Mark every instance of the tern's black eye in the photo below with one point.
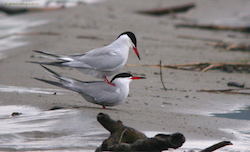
(122, 75)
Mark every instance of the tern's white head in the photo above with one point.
(122, 81)
(132, 41)
(124, 78)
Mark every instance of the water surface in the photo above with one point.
(76, 130)
(65, 129)
(20, 89)
(242, 114)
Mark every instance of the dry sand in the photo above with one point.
(148, 107)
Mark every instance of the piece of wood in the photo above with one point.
(168, 10)
(158, 143)
(214, 27)
(210, 67)
(213, 40)
(116, 128)
(236, 84)
(162, 78)
(217, 146)
(87, 37)
(205, 66)
(127, 139)
(231, 46)
(228, 91)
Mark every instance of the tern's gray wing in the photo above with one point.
(101, 92)
(98, 92)
(102, 59)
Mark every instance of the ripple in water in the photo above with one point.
(57, 130)
(76, 130)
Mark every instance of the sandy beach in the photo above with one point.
(181, 108)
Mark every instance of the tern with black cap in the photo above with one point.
(97, 92)
(101, 62)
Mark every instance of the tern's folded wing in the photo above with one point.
(103, 59)
(100, 91)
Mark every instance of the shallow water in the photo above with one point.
(12, 25)
(46, 3)
(20, 89)
(74, 130)
(57, 130)
(242, 114)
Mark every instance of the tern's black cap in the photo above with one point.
(131, 35)
(122, 75)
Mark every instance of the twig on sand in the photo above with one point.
(214, 27)
(228, 91)
(219, 43)
(162, 77)
(231, 46)
(168, 10)
(217, 146)
(198, 38)
(205, 66)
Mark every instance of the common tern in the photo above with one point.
(101, 62)
(97, 92)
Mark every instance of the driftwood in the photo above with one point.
(168, 10)
(203, 67)
(228, 91)
(13, 11)
(236, 84)
(199, 38)
(127, 139)
(217, 146)
(16, 114)
(231, 46)
(87, 37)
(219, 43)
(214, 27)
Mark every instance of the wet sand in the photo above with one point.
(149, 107)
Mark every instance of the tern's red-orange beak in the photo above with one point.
(136, 52)
(136, 78)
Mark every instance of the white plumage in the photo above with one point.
(101, 62)
(97, 92)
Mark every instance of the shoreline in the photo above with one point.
(149, 107)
